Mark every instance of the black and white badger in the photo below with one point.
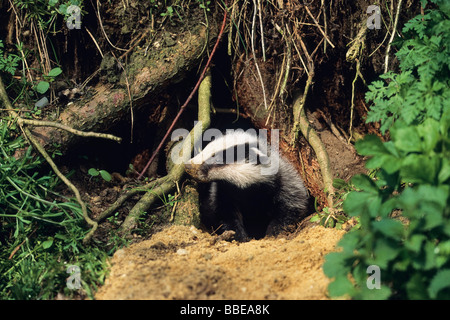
(247, 187)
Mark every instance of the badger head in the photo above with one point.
(239, 158)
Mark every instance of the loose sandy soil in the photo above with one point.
(182, 262)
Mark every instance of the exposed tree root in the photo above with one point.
(314, 140)
(168, 183)
(302, 124)
(23, 124)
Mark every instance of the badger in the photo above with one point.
(247, 187)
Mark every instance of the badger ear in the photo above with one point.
(256, 156)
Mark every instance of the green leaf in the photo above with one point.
(444, 174)
(47, 243)
(55, 72)
(390, 228)
(416, 288)
(418, 168)
(371, 145)
(336, 264)
(362, 203)
(339, 183)
(429, 132)
(386, 161)
(426, 259)
(375, 294)
(385, 250)
(105, 175)
(363, 182)
(406, 138)
(414, 243)
(93, 172)
(341, 286)
(349, 242)
(440, 281)
(42, 87)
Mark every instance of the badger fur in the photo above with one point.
(247, 187)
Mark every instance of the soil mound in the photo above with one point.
(182, 262)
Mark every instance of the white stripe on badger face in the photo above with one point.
(244, 172)
(213, 152)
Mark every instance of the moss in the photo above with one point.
(187, 211)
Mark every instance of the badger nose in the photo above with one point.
(191, 168)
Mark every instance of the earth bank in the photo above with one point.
(183, 262)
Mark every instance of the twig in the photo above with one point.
(103, 30)
(254, 55)
(189, 97)
(262, 31)
(95, 42)
(41, 123)
(394, 28)
(318, 26)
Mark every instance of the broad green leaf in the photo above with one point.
(417, 168)
(444, 173)
(426, 260)
(42, 87)
(386, 161)
(55, 72)
(414, 243)
(440, 281)
(416, 288)
(375, 294)
(429, 132)
(349, 242)
(363, 182)
(384, 251)
(105, 175)
(93, 172)
(370, 146)
(47, 243)
(340, 287)
(390, 228)
(360, 203)
(337, 264)
(406, 138)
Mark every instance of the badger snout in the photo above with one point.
(191, 168)
(194, 170)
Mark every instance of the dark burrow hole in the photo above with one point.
(113, 157)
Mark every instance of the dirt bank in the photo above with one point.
(185, 263)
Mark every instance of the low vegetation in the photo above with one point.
(404, 211)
